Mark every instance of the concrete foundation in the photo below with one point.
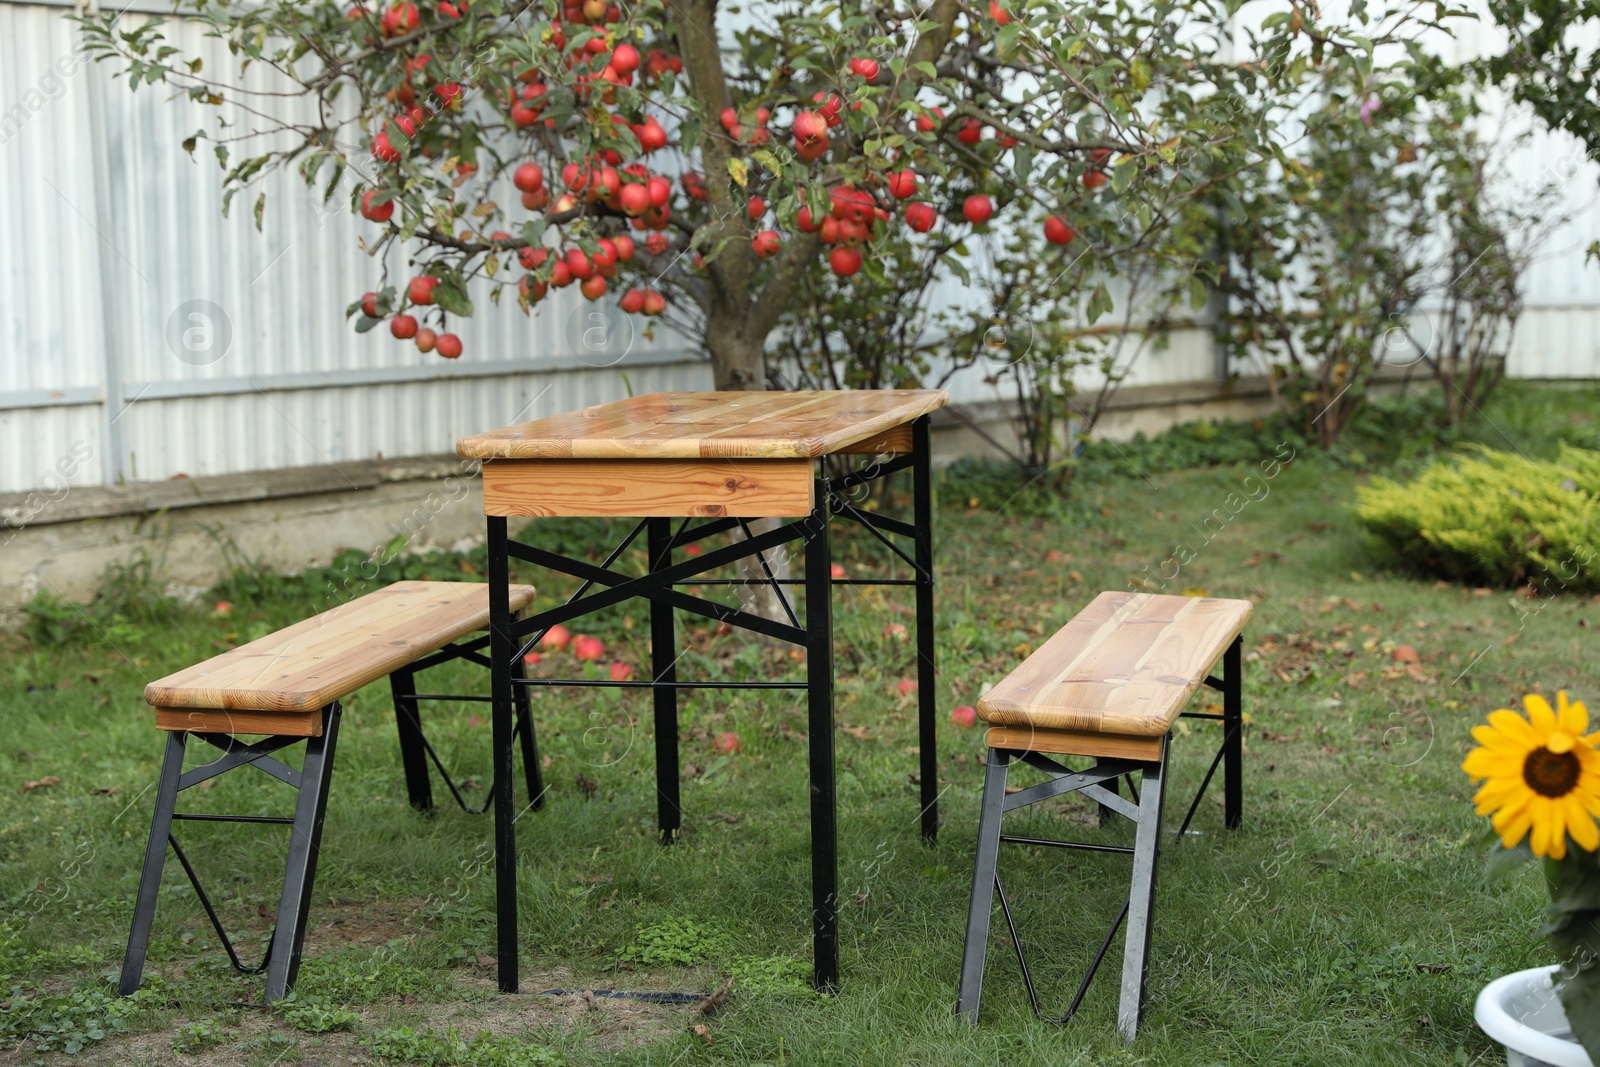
(294, 519)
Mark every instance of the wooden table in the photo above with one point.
(722, 459)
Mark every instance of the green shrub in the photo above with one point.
(1496, 518)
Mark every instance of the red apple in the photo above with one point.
(376, 212)
(727, 743)
(837, 571)
(756, 208)
(654, 303)
(977, 208)
(998, 13)
(634, 199)
(383, 151)
(767, 244)
(906, 686)
(621, 672)
(420, 291)
(921, 217)
(403, 327)
(632, 301)
(448, 345)
(556, 638)
(1057, 232)
(588, 648)
(528, 177)
(223, 607)
(624, 246)
(966, 716)
(971, 132)
(845, 261)
(903, 183)
(867, 68)
(930, 122)
(1095, 179)
(369, 305)
(895, 631)
(426, 339)
(593, 288)
(625, 58)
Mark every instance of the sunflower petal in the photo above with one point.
(1514, 726)
(1483, 763)
(1585, 831)
(1573, 715)
(1540, 715)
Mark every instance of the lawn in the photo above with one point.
(1347, 922)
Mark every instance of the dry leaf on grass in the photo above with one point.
(40, 783)
(702, 1031)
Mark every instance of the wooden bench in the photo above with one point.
(1108, 685)
(286, 688)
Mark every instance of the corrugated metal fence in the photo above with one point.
(142, 335)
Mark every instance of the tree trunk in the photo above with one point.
(738, 360)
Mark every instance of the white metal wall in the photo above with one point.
(109, 235)
(111, 239)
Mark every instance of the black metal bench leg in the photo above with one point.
(1141, 897)
(413, 752)
(983, 876)
(532, 772)
(1233, 734)
(155, 859)
(663, 668)
(305, 846)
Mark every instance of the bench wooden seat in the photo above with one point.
(280, 683)
(1108, 685)
(1114, 679)
(288, 686)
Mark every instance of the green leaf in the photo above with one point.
(1122, 175)
(261, 207)
(926, 68)
(365, 323)
(451, 296)
(1022, 157)
(1099, 303)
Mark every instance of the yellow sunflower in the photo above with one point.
(1540, 774)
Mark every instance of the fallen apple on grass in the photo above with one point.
(965, 716)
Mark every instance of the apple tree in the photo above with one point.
(690, 161)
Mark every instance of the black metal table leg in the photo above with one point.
(1233, 735)
(663, 668)
(155, 858)
(305, 848)
(927, 676)
(819, 700)
(502, 648)
(413, 754)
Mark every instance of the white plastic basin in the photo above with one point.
(1523, 1013)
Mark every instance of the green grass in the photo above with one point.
(1347, 922)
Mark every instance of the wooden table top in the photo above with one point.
(1126, 664)
(772, 425)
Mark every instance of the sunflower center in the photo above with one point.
(1551, 774)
